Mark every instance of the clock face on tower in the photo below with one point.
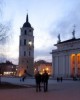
(30, 43)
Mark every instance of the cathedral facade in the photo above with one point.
(66, 58)
(26, 49)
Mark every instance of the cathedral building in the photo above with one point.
(26, 49)
(66, 58)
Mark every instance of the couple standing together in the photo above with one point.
(41, 79)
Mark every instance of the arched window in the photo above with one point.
(29, 53)
(30, 30)
(25, 32)
(24, 41)
(24, 53)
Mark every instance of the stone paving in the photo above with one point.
(67, 90)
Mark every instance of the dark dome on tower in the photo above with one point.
(27, 24)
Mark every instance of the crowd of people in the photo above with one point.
(41, 79)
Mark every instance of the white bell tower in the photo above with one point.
(26, 49)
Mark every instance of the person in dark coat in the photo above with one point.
(38, 81)
(45, 80)
(61, 79)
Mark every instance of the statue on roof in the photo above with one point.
(59, 40)
(73, 33)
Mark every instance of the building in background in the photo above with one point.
(41, 66)
(26, 49)
(66, 58)
(8, 69)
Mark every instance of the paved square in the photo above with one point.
(67, 90)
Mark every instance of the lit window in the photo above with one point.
(30, 43)
(47, 69)
(43, 70)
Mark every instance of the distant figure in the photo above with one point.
(23, 78)
(24, 75)
(20, 79)
(38, 81)
(45, 80)
(0, 79)
(61, 79)
(57, 79)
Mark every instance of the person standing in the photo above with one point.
(38, 81)
(61, 79)
(45, 80)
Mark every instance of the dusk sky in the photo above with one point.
(48, 18)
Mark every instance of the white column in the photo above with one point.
(64, 65)
(58, 64)
(69, 65)
(76, 65)
(53, 65)
(67, 62)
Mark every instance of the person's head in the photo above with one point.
(37, 72)
(45, 71)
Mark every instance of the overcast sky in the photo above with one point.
(48, 18)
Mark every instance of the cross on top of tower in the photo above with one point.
(27, 18)
(27, 24)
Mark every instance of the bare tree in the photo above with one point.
(4, 29)
(4, 36)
